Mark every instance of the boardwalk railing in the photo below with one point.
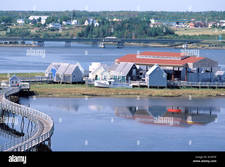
(197, 84)
(44, 123)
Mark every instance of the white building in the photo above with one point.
(74, 22)
(43, 18)
(66, 23)
(55, 26)
(65, 73)
(220, 76)
(99, 72)
(20, 21)
(14, 81)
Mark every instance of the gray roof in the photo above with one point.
(122, 68)
(153, 68)
(70, 69)
(62, 69)
(53, 65)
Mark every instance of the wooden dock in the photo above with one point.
(184, 84)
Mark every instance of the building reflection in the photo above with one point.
(169, 116)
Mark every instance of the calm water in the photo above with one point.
(13, 127)
(120, 123)
(134, 124)
(14, 59)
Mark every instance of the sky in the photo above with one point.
(113, 5)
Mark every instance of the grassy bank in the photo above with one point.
(68, 90)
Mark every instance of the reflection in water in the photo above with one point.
(43, 148)
(13, 127)
(171, 116)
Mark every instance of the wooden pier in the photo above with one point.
(184, 84)
(44, 123)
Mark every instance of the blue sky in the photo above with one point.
(114, 5)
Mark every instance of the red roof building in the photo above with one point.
(160, 58)
(176, 62)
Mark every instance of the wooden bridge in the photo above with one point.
(44, 124)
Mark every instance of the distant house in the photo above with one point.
(199, 24)
(123, 72)
(66, 23)
(74, 22)
(90, 22)
(54, 26)
(212, 24)
(86, 23)
(156, 77)
(43, 18)
(14, 81)
(222, 23)
(96, 24)
(191, 25)
(220, 76)
(20, 21)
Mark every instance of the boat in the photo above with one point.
(110, 84)
(174, 110)
(102, 84)
(101, 45)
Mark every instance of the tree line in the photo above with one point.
(130, 28)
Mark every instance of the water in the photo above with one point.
(120, 123)
(14, 59)
(13, 127)
(131, 124)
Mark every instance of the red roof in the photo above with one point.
(133, 58)
(166, 54)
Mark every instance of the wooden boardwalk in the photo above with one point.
(44, 123)
(196, 84)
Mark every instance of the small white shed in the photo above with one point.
(14, 81)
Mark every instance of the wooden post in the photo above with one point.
(185, 73)
(173, 74)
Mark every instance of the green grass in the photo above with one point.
(4, 76)
(69, 90)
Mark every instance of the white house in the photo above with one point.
(86, 23)
(65, 73)
(14, 81)
(66, 23)
(99, 73)
(43, 18)
(51, 70)
(220, 76)
(73, 74)
(55, 26)
(20, 21)
(74, 22)
(156, 77)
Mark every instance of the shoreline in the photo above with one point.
(157, 45)
(82, 90)
(69, 91)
